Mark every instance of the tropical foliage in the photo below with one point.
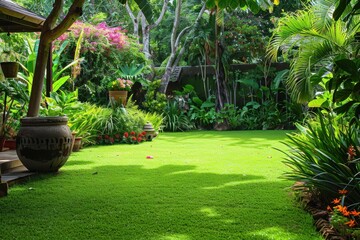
(96, 45)
(323, 156)
(312, 40)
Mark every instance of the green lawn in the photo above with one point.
(199, 185)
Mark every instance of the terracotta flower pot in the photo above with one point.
(77, 144)
(10, 143)
(118, 97)
(43, 144)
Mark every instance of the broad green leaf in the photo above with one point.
(342, 95)
(210, 4)
(344, 108)
(348, 66)
(59, 83)
(316, 103)
(340, 9)
(253, 5)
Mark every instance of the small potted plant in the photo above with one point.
(8, 59)
(118, 90)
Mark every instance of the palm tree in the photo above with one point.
(312, 40)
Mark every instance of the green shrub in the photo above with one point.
(103, 49)
(90, 121)
(155, 101)
(176, 118)
(323, 157)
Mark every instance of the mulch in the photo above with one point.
(321, 217)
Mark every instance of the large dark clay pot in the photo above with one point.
(43, 144)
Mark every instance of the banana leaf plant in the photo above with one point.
(57, 71)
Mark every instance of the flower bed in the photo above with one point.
(129, 138)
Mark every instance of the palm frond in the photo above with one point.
(323, 11)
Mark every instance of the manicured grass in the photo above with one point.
(199, 185)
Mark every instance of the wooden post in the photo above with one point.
(49, 75)
(49, 33)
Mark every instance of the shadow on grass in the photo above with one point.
(169, 202)
(254, 139)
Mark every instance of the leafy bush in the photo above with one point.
(104, 49)
(90, 121)
(175, 117)
(155, 101)
(323, 157)
(203, 113)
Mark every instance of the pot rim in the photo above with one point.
(46, 120)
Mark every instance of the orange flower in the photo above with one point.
(345, 213)
(336, 201)
(355, 213)
(343, 192)
(351, 223)
(341, 208)
(328, 208)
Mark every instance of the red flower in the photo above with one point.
(133, 138)
(132, 133)
(106, 136)
(143, 133)
(99, 137)
(328, 208)
(111, 140)
(126, 134)
(139, 139)
(117, 136)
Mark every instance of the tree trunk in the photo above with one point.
(145, 26)
(174, 45)
(222, 95)
(135, 20)
(175, 42)
(145, 37)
